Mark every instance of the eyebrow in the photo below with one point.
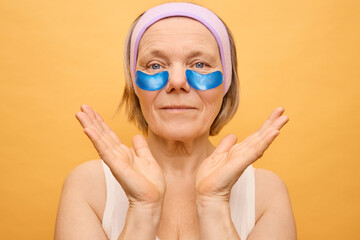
(197, 53)
(152, 52)
(158, 52)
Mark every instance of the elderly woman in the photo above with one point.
(181, 88)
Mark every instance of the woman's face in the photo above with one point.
(177, 111)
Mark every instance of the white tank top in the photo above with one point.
(242, 205)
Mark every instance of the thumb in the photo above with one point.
(225, 144)
(141, 147)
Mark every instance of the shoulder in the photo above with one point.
(270, 191)
(82, 203)
(85, 176)
(267, 181)
(272, 206)
(87, 170)
(87, 182)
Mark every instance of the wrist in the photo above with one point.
(141, 223)
(210, 200)
(148, 212)
(215, 220)
(213, 207)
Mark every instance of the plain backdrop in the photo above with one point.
(302, 55)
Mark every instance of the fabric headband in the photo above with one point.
(201, 14)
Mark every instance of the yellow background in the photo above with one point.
(303, 55)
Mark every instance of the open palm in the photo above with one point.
(219, 172)
(135, 169)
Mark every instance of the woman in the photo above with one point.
(181, 88)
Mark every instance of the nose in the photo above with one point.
(177, 80)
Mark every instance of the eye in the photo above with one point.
(155, 66)
(199, 65)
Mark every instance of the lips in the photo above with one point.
(177, 108)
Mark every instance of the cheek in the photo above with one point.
(212, 99)
(146, 99)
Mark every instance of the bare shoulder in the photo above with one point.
(273, 210)
(88, 182)
(87, 170)
(269, 189)
(82, 202)
(268, 183)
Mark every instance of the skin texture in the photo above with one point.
(176, 167)
(175, 50)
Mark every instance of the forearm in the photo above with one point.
(215, 221)
(141, 224)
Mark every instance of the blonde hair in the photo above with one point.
(132, 105)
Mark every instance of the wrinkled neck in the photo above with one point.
(179, 158)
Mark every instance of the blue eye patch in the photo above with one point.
(151, 82)
(196, 80)
(204, 81)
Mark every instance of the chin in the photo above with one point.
(181, 133)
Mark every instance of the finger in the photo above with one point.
(270, 137)
(88, 110)
(104, 150)
(263, 136)
(141, 147)
(254, 146)
(99, 121)
(91, 114)
(276, 125)
(107, 129)
(262, 144)
(255, 139)
(252, 151)
(280, 122)
(93, 118)
(83, 119)
(275, 114)
(100, 125)
(275, 121)
(225, 144)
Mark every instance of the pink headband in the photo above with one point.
(201, 14)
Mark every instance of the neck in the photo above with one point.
(179, 158)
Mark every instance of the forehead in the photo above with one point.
(177, 30)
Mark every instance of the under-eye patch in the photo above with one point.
(204, 81)
(196, 80)
(151, 82)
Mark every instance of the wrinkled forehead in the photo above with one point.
(179, 30)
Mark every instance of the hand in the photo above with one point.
(135, 169)
(218, 173)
